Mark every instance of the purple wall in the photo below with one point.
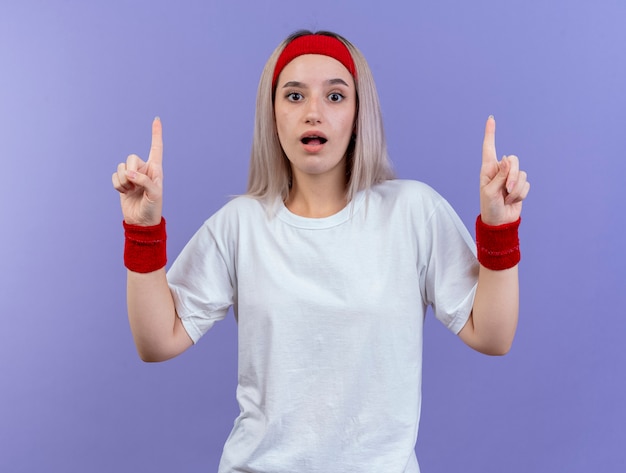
(79, 85)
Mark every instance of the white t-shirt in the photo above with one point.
(330, 317)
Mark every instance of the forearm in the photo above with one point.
(157, 330)
(493, 322)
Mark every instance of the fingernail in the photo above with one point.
(510, 186)
(131, 174)
(157, 118)
(492, 117)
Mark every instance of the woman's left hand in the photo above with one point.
(503, 186)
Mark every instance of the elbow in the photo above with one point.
(488, 342)
(497, 349)
(152, 350)
(148, 357)
(497, 352)
(151, 356)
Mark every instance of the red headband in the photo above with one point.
(314, 44)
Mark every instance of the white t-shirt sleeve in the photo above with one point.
(450, 273)
(202, 278)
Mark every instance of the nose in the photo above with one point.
(313, 114)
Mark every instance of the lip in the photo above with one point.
(311, 133)
(316, 146)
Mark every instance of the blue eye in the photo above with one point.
(335, 97)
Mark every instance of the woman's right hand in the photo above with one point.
(140, 183)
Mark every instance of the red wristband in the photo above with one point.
(498, 246)
(145, 248)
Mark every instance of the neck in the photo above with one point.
(317, 197)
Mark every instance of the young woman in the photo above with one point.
(329, 263)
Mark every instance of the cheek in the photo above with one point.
(279, 127)
(350, 119)
(282, 121)
(347, 125)
(282, 130)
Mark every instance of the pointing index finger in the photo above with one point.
(156, 148)
(489, 142)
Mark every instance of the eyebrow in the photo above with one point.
(301, 85)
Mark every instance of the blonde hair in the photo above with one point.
(269, 175)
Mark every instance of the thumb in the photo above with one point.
(499, 180)
(152, 189)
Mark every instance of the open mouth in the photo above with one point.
(313, 140)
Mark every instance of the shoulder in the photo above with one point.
(224, 228)
(229, 220)
(239, 207)
(407, 191)
(242, 203)
(416, 200)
